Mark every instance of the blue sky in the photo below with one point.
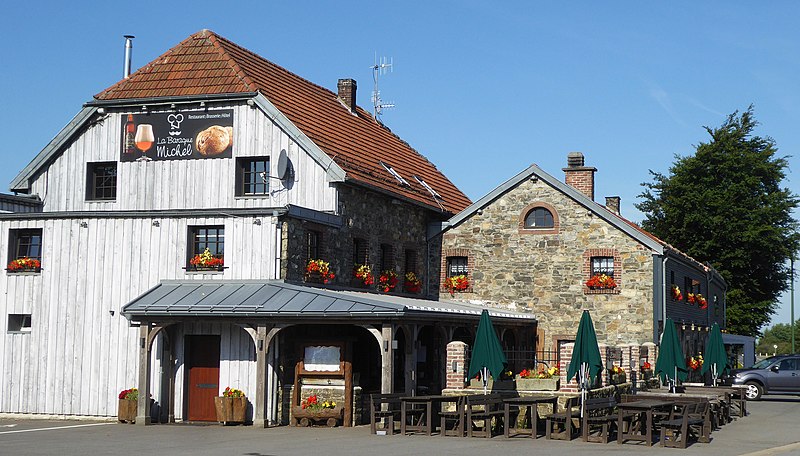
(481, 90)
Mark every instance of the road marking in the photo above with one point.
(55, 427)
(777, 450)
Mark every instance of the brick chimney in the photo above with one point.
(347, 93)
(579, 176)
(612, 204)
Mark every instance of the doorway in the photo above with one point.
(203, 378)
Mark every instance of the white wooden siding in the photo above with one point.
(78, 356)
(183, 184)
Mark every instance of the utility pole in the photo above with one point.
(792, 301)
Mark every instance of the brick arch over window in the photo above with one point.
(527, 210)
(587, 269)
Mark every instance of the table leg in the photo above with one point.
(506, 417)
(649, 427)
(429, 417)
(403, 419)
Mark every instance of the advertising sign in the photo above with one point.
(177, 135)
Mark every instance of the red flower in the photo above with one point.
(601, 281)
(23, 263)
(456, 283)
(387, 281)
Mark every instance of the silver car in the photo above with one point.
(773, 375)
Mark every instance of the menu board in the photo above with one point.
(321, 358)
(177, 135)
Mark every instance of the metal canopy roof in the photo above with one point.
(250, 298)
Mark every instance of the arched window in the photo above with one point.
(539, 217)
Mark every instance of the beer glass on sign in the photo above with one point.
(144, 140)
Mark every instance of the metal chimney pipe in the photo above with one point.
(128, 49)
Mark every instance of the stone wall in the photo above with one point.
(545, 274)
(375, 218)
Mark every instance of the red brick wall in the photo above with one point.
(456, 353)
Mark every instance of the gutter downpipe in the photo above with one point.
(663, 292)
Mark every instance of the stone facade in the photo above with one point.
(380, 221)
(545, 273)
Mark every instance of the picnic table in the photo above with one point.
(420, 410)
(525, 405)
(639, 417)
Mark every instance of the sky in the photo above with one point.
(482, 89)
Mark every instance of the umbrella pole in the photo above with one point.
(485, 379)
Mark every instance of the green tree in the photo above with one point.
(725, 205)
(780, 335)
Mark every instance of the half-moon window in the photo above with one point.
(539, 217)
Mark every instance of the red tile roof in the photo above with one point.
(206, 63)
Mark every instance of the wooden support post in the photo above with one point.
(260, 404)
(387, 357)
(143, 406)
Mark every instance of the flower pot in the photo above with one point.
(306, 417)
(538, 384)
(126, 411)
(314, 277)
(230, 409)
(647, 374)
(616, 379)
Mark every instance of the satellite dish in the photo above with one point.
(283, 165)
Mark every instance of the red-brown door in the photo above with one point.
(203, 363)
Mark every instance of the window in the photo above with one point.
(252, 176)
(411, 261)
(788, 365)
(387, 257)
(457, 265)
(25, 243)
(602, 265)
(312, 245)
(539, 217)
(207, 237)
(101, 181)
(19, 323)
(360, 251)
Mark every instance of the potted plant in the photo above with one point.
(505, 382)
(231, 406)
(601, 282)
(207, 262)
(691, 298)
(647, 371)
(24, 264)
(702, 303)
(412, 284)
(318, 271)
(313, 409)
(387, 281)
(616, 375)
(676, 293)
(695, 362)
(128, 400)
(547, 379)
(362, 273)
(456, 283)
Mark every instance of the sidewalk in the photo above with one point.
(772, 428)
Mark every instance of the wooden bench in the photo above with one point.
(386, 408)
(685, 419)
(483, 408)
(454, 419)
(599, 412)
(557, 421)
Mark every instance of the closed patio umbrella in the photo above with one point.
(670, 363)
(586, 362)
(487, 352)
(716, 360)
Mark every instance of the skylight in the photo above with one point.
(428, 187)
(396, 176)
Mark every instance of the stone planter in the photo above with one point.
(126, 411)
(230, 409)
(493, 385)
(647, 374)
(616, 379)
(538, 384)
(306, 417)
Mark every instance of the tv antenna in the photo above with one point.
(380, 67)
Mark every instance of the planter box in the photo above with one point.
(616, 379)
(538, 384)
(126, 411)
(230, 409)
(493, 385)
(305, 417)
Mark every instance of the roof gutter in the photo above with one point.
(183, 99)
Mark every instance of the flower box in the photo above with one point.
(126, 411)
(616, 379)
(493, 385)
(230, 409)
(538, 384)
(306, 417)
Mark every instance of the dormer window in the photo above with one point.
(395, 174)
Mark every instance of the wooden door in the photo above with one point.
(203, 365)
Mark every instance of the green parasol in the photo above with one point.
(487, 353)
(716, 360)
(670, 363)
(586, 362)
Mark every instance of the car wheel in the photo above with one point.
(754, 391)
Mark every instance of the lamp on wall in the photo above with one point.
(156, 223)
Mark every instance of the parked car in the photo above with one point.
(774, 375)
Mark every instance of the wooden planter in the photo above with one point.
(305, 417)
(230, 409)
(538, 384)
(126, 412)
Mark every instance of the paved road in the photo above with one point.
(772, 428)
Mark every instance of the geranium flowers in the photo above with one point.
(318, 270)
(207, 260)
(601, 282)
(24, 264)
